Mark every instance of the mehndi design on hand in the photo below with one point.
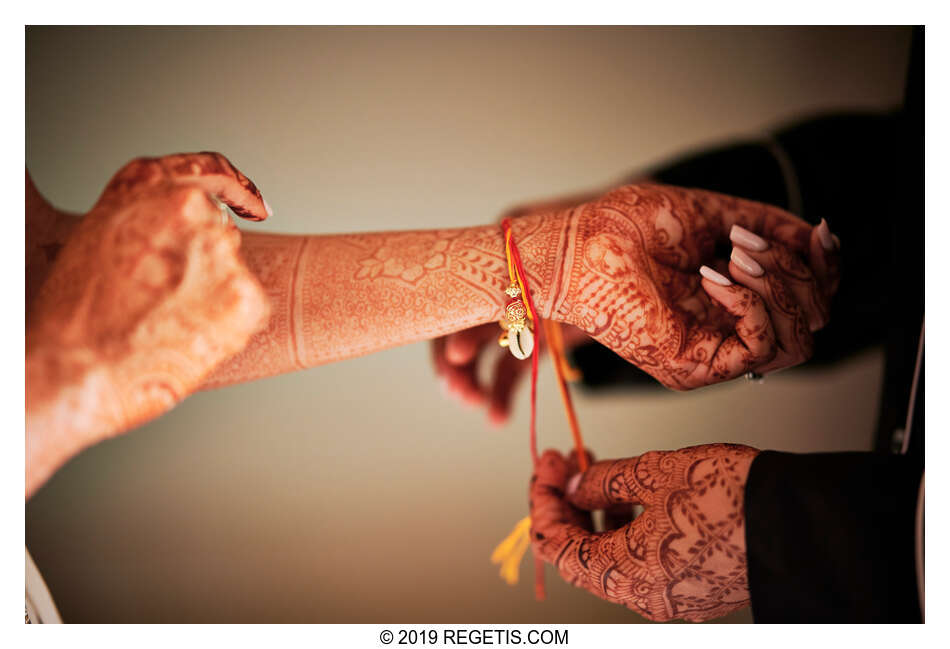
(683, 557)
(630, 273)
(146, 296)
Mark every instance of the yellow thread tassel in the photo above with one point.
(510, 551)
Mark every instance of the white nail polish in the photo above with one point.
(742, 259)
(267, 208)
(825, 237)
(742, 237)
(572, 484)
(713, 276)
(225, 215)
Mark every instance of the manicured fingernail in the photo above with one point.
(824, 236)
(572, 484)
(742, 259)
(713, 276)
(837, 241)
(225, 217)
(741, 236)
(267, 208)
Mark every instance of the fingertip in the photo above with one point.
(720, 293)
(572, 484)
(823, 232)
(744, 282)
(745, 261)
(497, 416)
(573, 459)
(714, 276)
(552, 459)
(460, 348)
(747, 239)
(473, 398)
(550, 453)
(464, 394)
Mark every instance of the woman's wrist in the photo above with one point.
(69, 405)
(548, 247)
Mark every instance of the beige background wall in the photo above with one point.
(356, 492)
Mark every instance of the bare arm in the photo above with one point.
(132, 307)
(336, 297)
(153, 295)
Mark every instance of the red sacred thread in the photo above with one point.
(522, 277)
(556, 348)
(556, 345)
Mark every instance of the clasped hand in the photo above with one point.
(630, 279)
(683, 557)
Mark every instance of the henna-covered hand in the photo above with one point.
(145, 297)
(629, 276)
(628, 273)
(797, 294)
(683, 557)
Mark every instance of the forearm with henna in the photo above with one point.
(150, 295)
(135, 304)
(340, 296)
(623, 267)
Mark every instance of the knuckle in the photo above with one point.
(136, 165)
(550, 456)
(748, 302)
(136, 172)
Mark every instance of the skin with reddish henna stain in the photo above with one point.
(682, 557)
(632, 283)
(340, 296)
(146, 295)
(149, 298)
(641, 247)
(623, 268)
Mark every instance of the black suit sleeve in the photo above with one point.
(830, 537)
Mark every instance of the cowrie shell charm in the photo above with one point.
(520, 342)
